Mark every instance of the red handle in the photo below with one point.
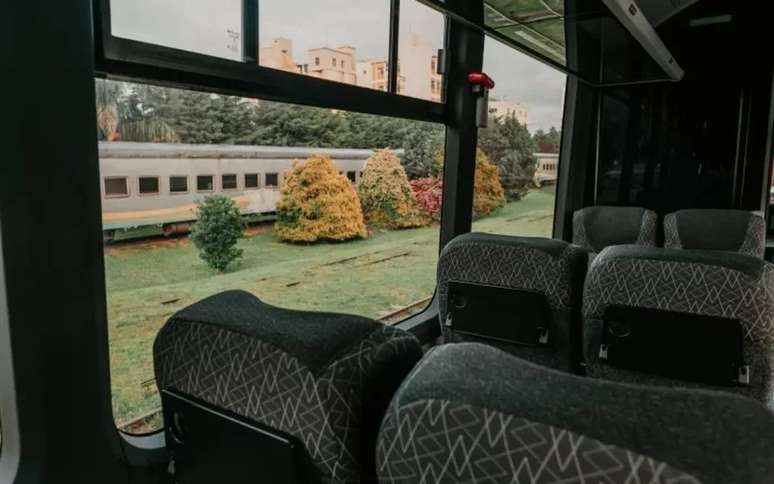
(481, 79)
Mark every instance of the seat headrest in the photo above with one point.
(601, 226)
(713, 229)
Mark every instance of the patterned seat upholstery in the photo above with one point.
(548, 267)
(709, 229)
(470, 413)
(598, 227)
(693, 285)
(325, 379)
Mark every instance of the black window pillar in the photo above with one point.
(465, 53)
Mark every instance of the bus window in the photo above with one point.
(521, 143)
(422, 31)
(296, 252)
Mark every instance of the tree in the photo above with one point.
(385, 193)
(428, 193)
(420, 146)
(488, 194)
(217, 230)
(509, 145)
(318, 203)
(547, 142)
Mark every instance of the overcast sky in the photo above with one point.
(214, 26)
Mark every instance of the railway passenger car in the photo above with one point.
(152, 188)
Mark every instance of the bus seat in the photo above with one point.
(595, 228)
(681, 318)
(710, 229)
(319, 382)
(522, 294)
(471, 413)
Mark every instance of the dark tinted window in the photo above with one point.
(272, 180)
(116, 187)
(229, 182)
(352, 176)
(149, 185)
(178, 184)
(204, 183)
(251, 180)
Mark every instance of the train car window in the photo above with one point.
(352, 176)
(116, 187)
(178, 184)
(421, 37)
(318, 44)
(272, 180)
(521, 143)
(205, 183)
(148, 185)
(149, 21)
(380, 264)
(228, 182)
(251, 180)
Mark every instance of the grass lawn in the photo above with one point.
(389, 270)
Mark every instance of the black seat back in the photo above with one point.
(681, 318)
(472, 413)
(522, 294)
(595, 228)
(321, 381)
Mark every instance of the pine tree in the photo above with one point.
(420, 146)
(509, 145)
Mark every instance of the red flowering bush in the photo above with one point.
(428, 193)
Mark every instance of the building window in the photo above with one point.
(352, 176)
(116, 187)
(228, 182)
(178, 184)
(333, 61)
(149, 185)
(251, 180)
(342, 64)
(272, 180)
(433, 65)
(204, 183)
(317, 61)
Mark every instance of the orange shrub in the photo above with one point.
(385, 193)
(318, 203)
(488, 191)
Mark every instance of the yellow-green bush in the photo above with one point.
(318, 203)
(488, 193)
(386, 195)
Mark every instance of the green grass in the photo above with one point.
(372, 277)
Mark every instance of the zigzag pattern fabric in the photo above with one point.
(256, 380)
(646, 236)
(754, 242)
(507, 266)
(684, 287)
(439, 441)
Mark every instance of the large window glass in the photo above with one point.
(327, 39)
(422, 31)
(383, 269)
(520, 145)
(202, 26)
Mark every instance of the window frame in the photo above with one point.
(178, 192)
(211, 190)
(257, 181)
(126, 182)
(140, 193)
(236, 182)
(266, 183)
(147, 62)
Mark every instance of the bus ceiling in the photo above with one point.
(602, 42)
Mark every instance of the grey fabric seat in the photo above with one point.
(325, 379)
(595, 228)
(508, 274)
(470, 413)
(710, 229)
(691, 308)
